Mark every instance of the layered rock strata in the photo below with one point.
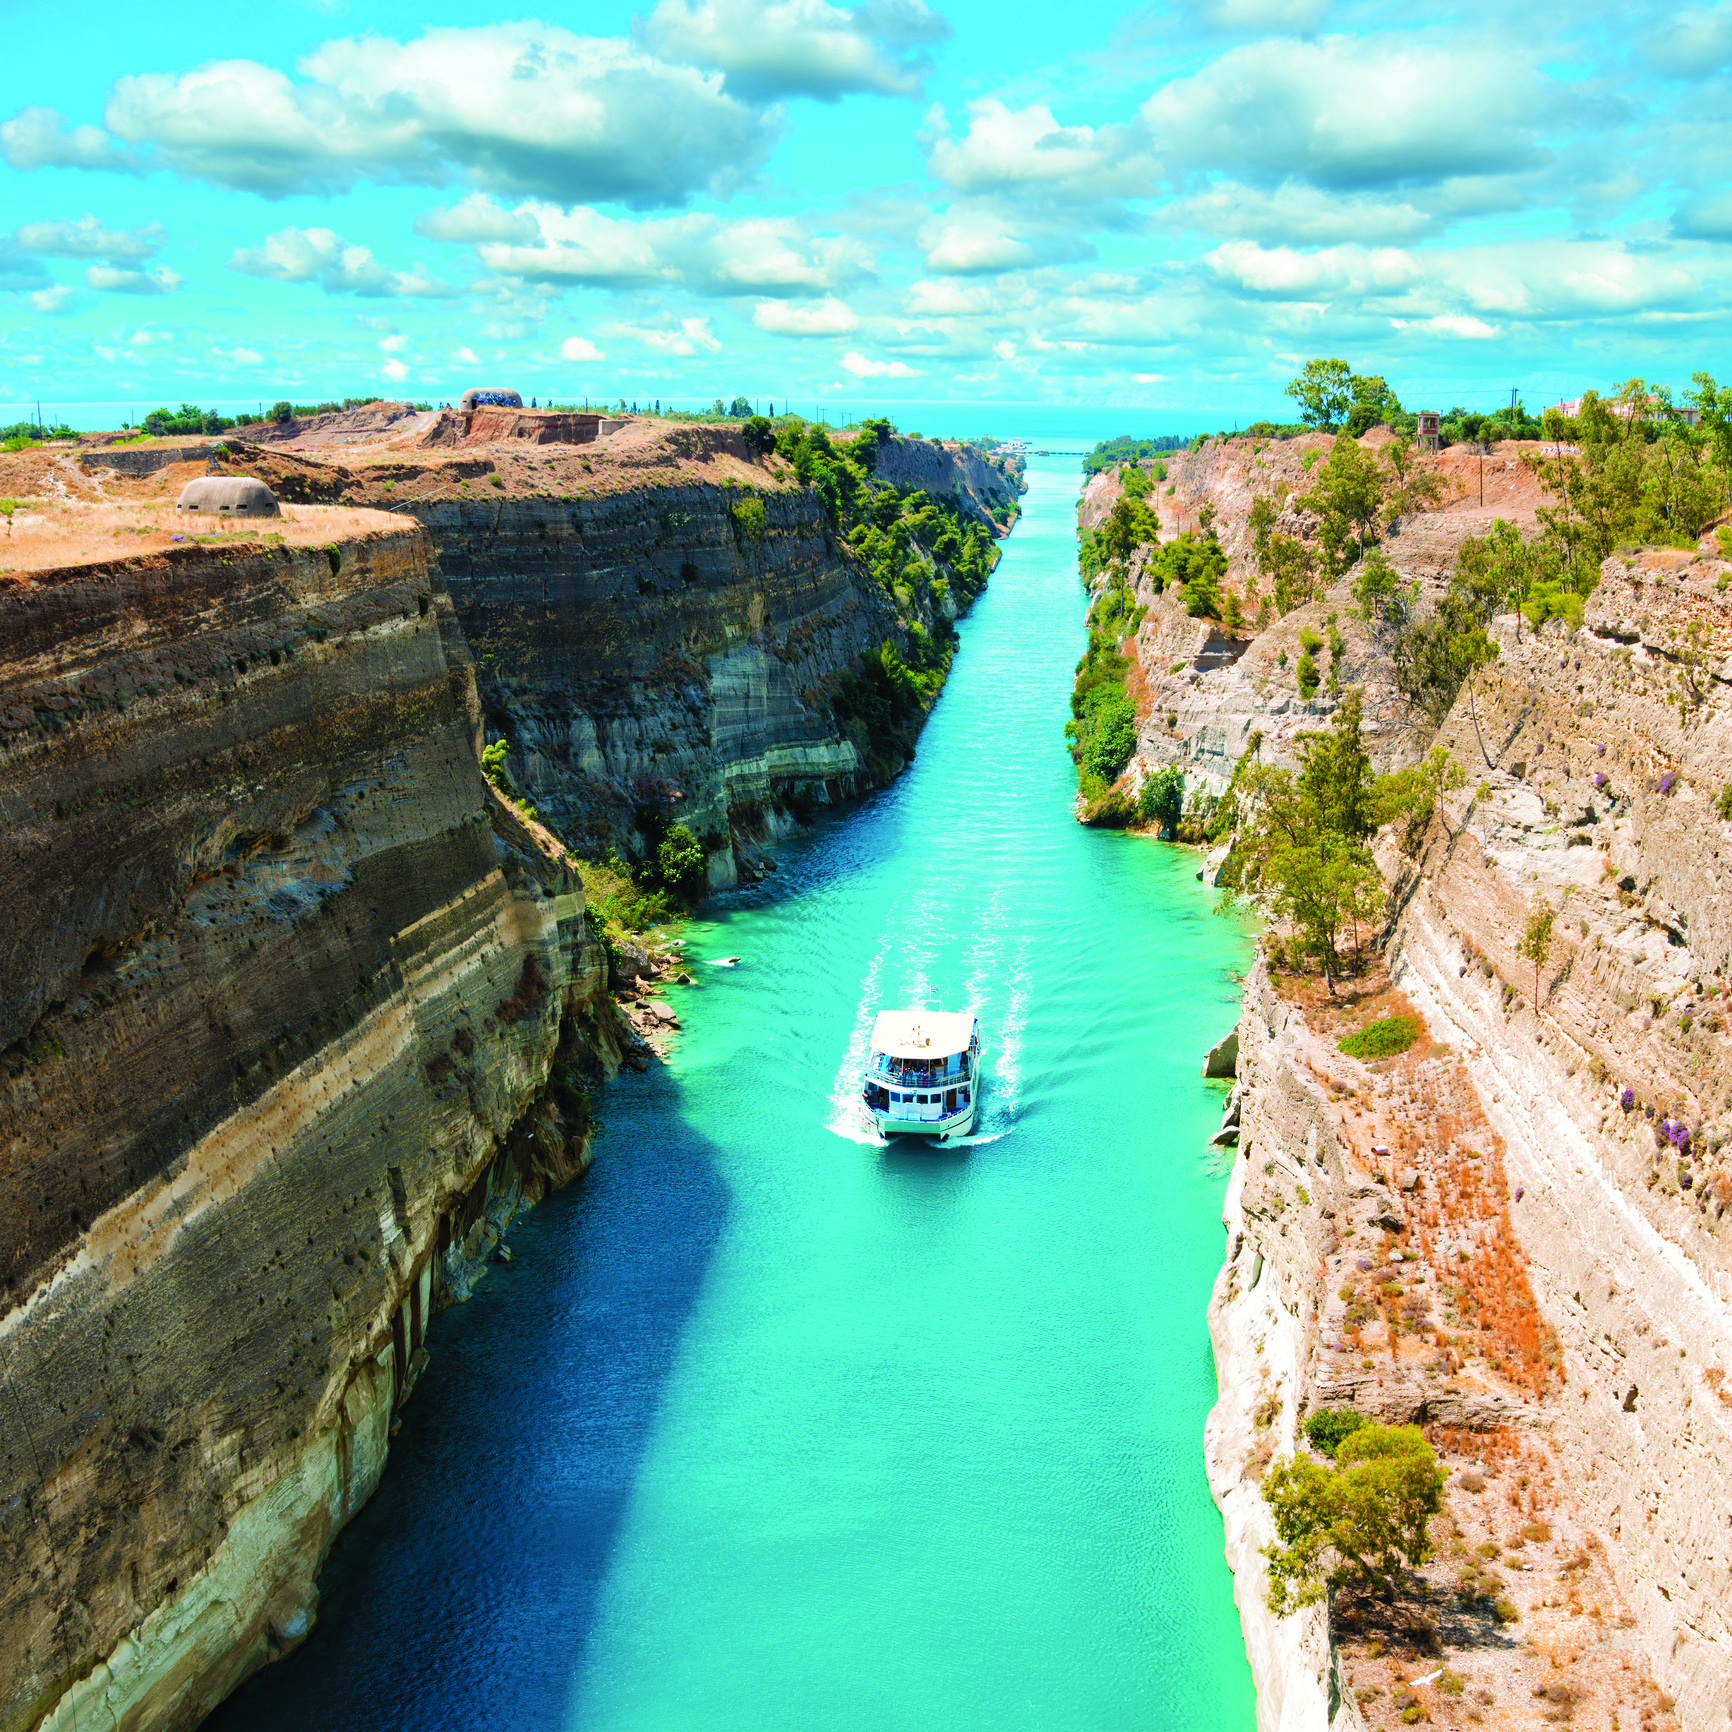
(678, 646)
(282, 992)
(1517, 1233)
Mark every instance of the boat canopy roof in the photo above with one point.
(922, 1033)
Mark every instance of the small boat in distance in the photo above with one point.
(923, 1075)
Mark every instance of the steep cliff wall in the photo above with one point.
(639, 645)
(1203, 692)
(673, 632)
(280, 985)
(1517, 1233)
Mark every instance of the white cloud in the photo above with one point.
(1693, 44)
(237, 357)
(476, 219)
(577, 349)
(861, 368)
(1448, 325)
(88, 239)
(1149, 378)
(52, 300)
(161, 281)
(41, 138)
(768, 49)
(339, 267)
(970, 242)
(1708, 218)
(1294, 211)
(688, 337)
(826, 318)
(704, 253)
(1265, 17)
(1353, 114)
(525, 108)
(1293, 275)
(395, 343)
(949, 299)
(1026, 150)
(467, 356)
(395, 370)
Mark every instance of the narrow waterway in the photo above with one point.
(771, 1429)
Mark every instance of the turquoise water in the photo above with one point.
(772, 1429)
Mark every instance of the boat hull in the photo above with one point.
(940, 1130)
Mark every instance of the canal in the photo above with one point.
(770, 1429)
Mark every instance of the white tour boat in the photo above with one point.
(924, 1072)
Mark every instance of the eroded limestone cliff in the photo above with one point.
(279, 996)
(1515, 1234)
(295, 1010)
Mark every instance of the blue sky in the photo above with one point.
(928, 200)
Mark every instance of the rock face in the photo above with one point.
(1543, 1184)
(664, 646)
(280, 994)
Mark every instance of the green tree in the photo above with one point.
(1324, 393)
(1536, 942)
(1161, 800)
(1303, 846)
(1361, 1521)
(1346, 493)
(1381, 596)
(759, 434)
(679, 861)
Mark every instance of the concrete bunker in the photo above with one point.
(228, 496)
(472, 400)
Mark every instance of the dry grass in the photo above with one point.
(51, 534)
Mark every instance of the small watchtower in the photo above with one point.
(1426, 434)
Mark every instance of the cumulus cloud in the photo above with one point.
(1707, 219)
(41, 138)
(862, 368)
(161, 281)
(1293, 211)
(88, 239)
(523, 108)
(580, 349)
(826, 318)
(338, 266)
(1289, 274)
(54, 300)
(703, 253)
(1448, 325)
(1026, 151)
(1353, 114)
(19, 269)
(395, 370)
(975, 242)
(1694, 44)
(688, 337)
(781, 48)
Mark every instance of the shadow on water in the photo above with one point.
(525, 1436)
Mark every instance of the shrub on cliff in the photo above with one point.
(1109, 732)
(1360, 1522)
(1303, 848)
(1329, 1427)
(1384, 1038)
(1161, 799)
(679, 862)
